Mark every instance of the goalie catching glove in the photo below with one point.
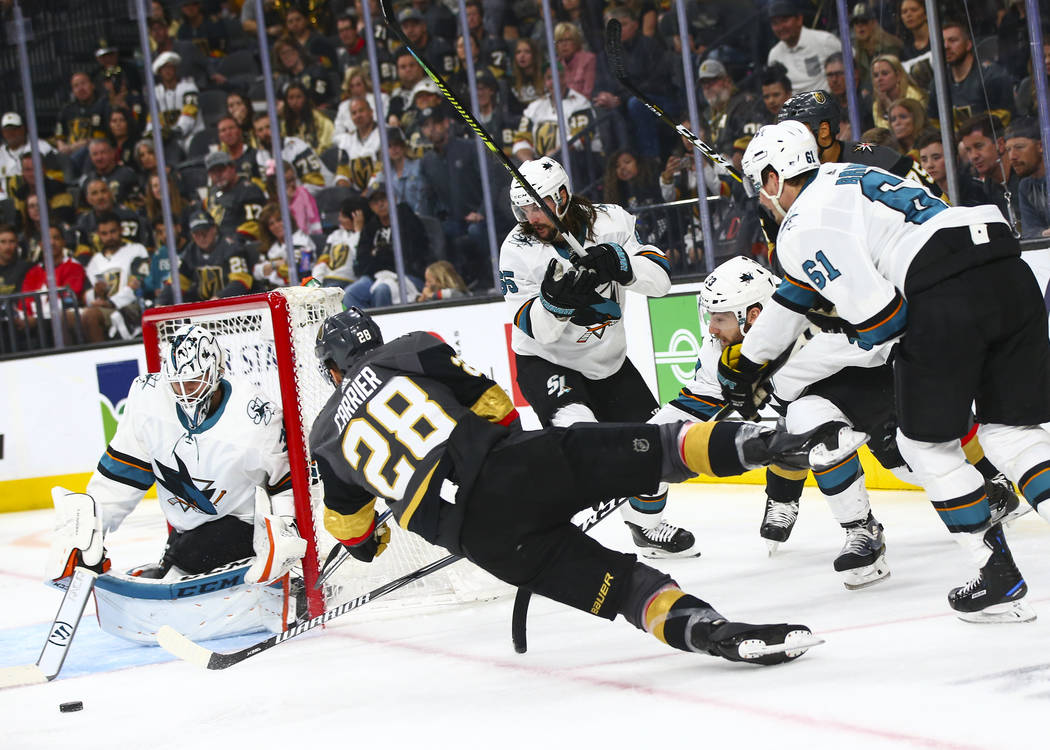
(610, 262)
(78, 535)
(278, 546)
(741, 381)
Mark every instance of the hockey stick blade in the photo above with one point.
(180, 646)
(29, 674)
(792, 646)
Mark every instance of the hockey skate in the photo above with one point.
(663, 540)
(862, 561)
(1003, 502)
(778, 521)
(997, 593)
(758, 644)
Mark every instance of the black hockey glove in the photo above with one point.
(740, 379)
(610, 262)
(561, 294)
(371, 546)
(832, 324)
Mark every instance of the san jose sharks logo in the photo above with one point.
(186, 493)
(260, 411)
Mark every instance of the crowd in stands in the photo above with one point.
(748, 57)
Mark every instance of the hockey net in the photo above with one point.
(269, 340)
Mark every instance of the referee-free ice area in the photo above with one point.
(898, 669)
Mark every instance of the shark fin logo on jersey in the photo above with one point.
(114, 383)
(179, 483)
(260, 411)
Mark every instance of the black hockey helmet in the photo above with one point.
(812, 108)
(343, 338)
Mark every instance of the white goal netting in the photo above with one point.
(269, 340)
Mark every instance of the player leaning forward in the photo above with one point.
(442, 446)
(949, 283)
(568, 340)
(211, 443)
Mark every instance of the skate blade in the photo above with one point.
(869, 575)
(796, 643)
(848, 440)
(1022, 508)
(658, 554)
(1007, 612)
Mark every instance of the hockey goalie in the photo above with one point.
(215, 447)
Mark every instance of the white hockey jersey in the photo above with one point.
(850, 237)
(820, 357)
(116, 270)
(309, 168)
(203, 473)
(179, 108)
(596, 351)
(340, 251)
(538, 128)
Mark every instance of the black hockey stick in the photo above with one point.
(179, 645)
(519, 617)
(614, 53)
(391, 20)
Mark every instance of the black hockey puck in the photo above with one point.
(70, 707)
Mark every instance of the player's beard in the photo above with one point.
(545, 232)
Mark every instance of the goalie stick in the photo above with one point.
(179, 645)
(614, 53)
(59, 638)
(391, 20)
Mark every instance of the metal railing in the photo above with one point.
(25, 321)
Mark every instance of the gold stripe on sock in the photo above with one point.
(656, 612)
(788, 473)
(973, 450)
(695, 448)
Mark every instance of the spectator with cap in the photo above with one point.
(801, 50)
(212, 266)
(580, 65)
(646, 63)
(1025, 151)
(208, 34)
(870, 40)
(359, 149)
(177, 102)
(434, 49)
(377, 282)
(425, 95)
(496, 120)
(120, 83)
(407, 175)
(726, 110)
(972, 88)
(14, 146)
(232, 201)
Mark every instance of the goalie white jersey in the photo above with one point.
(596, 351)
(202, 473)
(850, 237)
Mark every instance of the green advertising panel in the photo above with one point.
(676, 341)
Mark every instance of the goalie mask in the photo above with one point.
(343, 338)
(734, 287)
(547, 177)
(193, 367)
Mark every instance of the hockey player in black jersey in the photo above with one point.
(440, 443)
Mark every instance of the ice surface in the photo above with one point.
(898, 669)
